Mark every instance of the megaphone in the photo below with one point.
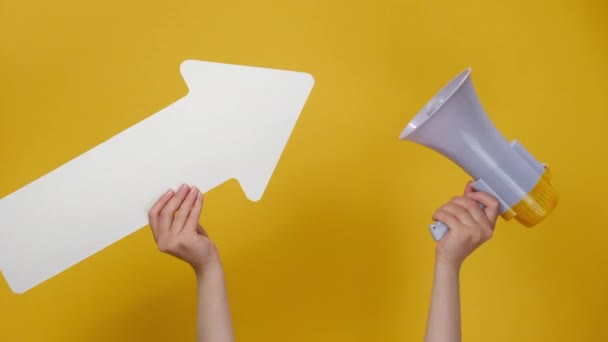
(454, 124)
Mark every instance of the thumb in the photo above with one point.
(468, 189)
(491, 203)
(202, 231)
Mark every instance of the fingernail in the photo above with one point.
(169, 192)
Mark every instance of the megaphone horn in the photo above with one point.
(454, 124)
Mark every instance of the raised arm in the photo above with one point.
(469, 227)
(174, 220)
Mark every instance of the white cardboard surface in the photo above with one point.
(234, 123)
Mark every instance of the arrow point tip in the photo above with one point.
(310, 77)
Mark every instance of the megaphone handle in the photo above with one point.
(439, 229)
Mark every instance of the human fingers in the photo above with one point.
(154, 212)
(184, 211)
(168, 212)
(492, 205)
(448, 218)
(473, 208)
(195, 213)
(460, 212)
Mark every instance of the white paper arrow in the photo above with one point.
(234, 123)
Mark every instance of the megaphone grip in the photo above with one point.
(439, 229)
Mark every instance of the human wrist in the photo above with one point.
(211, 269)
(447, 264)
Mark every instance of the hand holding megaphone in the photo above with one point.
(454, 124)
(470, 225)
(474, 208)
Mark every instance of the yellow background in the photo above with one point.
(338, 249)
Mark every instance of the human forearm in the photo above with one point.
(214, 323)
(443, 323)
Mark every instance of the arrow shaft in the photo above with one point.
(104, 194)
